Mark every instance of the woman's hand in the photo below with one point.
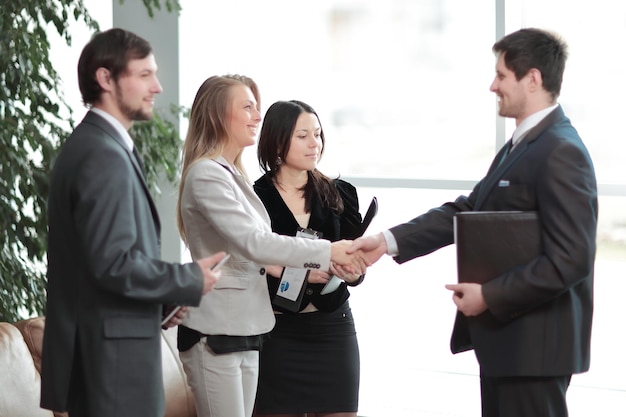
(344, 273)
(315, 276)
(318, 277)
(274, 270)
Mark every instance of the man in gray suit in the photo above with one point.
(106, 283)
(530, 327)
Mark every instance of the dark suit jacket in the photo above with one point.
(539, 316)
(332, 226)
(106, 284)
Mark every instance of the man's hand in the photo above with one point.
(372, 247)
(177, 318)
(468, 298)
(354, 262)
(210, 277)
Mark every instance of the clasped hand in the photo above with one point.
(349, 263)
(369, 248)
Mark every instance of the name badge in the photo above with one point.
(293, 280)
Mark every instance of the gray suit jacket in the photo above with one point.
(221, 212)
(539, 317)
(106, 284)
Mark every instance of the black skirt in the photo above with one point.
(310, 364)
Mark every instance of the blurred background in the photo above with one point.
(402, 90)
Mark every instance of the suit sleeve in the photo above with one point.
(116, 229)
(432, 230)
(210, 193)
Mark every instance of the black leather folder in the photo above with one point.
(372, 210)
(489, 243)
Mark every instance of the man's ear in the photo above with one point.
(103, 76)
(535, 78)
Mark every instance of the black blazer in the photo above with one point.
(333, 227)
(539, 318)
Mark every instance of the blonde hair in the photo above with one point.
(208, 133)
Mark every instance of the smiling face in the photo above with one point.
(243, 117)
(512, 93)
(306, 143)
(134, 91)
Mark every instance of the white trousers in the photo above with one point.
(223, 385)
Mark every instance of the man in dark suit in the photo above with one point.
(530, 327)
(106, 283)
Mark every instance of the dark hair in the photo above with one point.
(279, 124)
(112, 49)
(535, 48)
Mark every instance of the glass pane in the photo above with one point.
(402, 87)
(593, 86)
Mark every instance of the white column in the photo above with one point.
(162, 33)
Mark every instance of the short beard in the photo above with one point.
(136, 115)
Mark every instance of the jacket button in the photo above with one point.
(262, 271)
(309, 291)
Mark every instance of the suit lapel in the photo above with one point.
(140, 173)
(319, 215)
(97, 120)
(283, 220)
(250, 196)
(497, 170)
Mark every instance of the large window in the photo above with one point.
(402, 87)
(594, 85)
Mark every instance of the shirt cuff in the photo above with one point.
(392, 245)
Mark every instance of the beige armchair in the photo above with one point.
(20, 363)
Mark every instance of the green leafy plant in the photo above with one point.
(159, 144)
(33, 125)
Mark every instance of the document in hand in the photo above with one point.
(489, 243)
(293, 281)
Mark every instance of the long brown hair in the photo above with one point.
(279, 124)
(208, 134)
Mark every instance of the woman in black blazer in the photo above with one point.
(311, 362)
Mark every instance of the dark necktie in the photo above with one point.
(506, 153)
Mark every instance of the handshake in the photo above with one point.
(349, 260)
(355, 256)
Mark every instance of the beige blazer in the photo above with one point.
(221, 212)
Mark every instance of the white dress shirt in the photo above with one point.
(117, 125)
